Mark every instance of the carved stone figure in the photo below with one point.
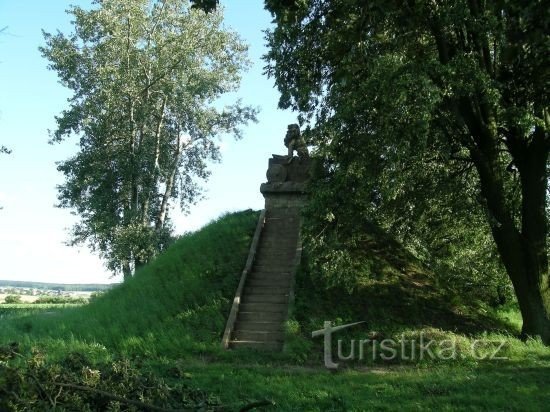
(285, 174)
(294, 142)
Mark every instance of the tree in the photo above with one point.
(12, 299)
(145, 76)
(456, 89)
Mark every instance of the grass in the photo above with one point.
(484, 387)
(178, 304)
(170, 317)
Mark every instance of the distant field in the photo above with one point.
(19, 310)
(68, 287)
(30, 299)
(24, 298)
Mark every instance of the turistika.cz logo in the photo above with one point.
(404, 349)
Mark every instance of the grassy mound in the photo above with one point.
(398, 296)
(174, 306)
(156, 340)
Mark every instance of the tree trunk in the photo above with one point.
(524, 253)
(532, 163)
(533, 296)
(138, 264)
(126, 271)
(151, 190)
(169, 185)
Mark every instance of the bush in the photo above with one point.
(60, 300)
(96, 295)
(74, 383)
(12, 299)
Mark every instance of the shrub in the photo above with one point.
(60, 300)
(12, 299)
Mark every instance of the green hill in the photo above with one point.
(176, 304)
(156, 338)
(397, 295)
(179, 303)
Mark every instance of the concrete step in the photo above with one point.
(273, 266)
(264, 307)
(267, 346)
(258, 336)
(270, 271)
(256, 298)
(289, 251)
(270, 267)
(279, 254)
(260, 326)
(286, 247)
(278, 279)
(268, 283)
(285, 232)
(283, 229)
(283, 254)
(280, 247)
(280, 234)
(266, 241)
(260, 316)
(284, 244)
(268, 274)
(274, 256)
(266, 290)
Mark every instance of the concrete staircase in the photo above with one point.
(268, 289)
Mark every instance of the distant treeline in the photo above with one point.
(56, 286)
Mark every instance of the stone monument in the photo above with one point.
(287, 176)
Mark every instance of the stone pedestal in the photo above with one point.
(286, 183)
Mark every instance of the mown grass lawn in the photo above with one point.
(491, 387)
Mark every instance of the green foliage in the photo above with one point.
(29, 382)
(96, 295)
(12, 299)
(60, 300)
(206, 5)
(406, 303)
(145, 76)
(423, 116)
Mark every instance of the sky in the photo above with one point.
(33, 231)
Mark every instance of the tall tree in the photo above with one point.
(444, 87)
(145, 77)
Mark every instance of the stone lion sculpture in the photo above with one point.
(295, 142)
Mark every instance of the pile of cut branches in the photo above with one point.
(28, 382)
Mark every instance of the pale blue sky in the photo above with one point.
(32, 230)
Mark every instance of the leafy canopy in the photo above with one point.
(145, 77)
(418, 110)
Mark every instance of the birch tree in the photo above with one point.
(145, 76)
